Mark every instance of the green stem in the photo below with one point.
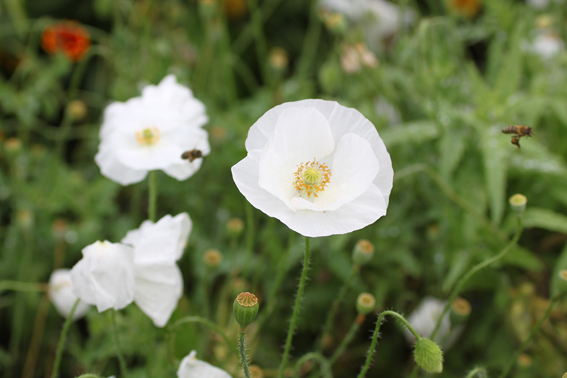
(375, 338)
(249, 237)
(152, 200)
(475, 269)
(242, 350)
(207, 322)
(325, 365)
(335, 306)
(61, 343)
(298, 298)
(261, 50)
(89, 376)
(531, 335)
(121, 361)
(310, 43)
(30, 287)
(480, 371)
(342, 346)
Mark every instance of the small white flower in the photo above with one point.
(191, 367)
(317, 166)
(62, 296)
(151, 132)
(105, 276)
(547, 45)
(157, 247)
(541, 4)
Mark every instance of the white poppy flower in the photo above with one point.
(105, 276)
(317, 166)
(191, 367)
(159, 283)
(151, 132)
(547, 45)
(62, 296)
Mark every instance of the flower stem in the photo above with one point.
(249, 237)
(347, 339)
(531, 335)
(375, 338)
(121, 361)
(335, 306)
(475, 269)
(261, 50)
(298, 298)
(61, 343)
(242, 349)
(152, 201)
(481, 372)
(198, 319)
(325, 365)
(30, 287)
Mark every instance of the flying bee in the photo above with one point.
(192, 155)
(519, 131)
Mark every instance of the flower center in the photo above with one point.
(311, 178)
(148, 137)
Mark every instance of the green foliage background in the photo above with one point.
(455, 83)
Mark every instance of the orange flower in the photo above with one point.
(466, 8)
(68, 37)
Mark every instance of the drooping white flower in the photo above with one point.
(317, 166)
(191, 367)
(62, 296)
(157, 247)
(151, 132)
(104, 277)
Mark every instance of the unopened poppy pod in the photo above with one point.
(319, 167)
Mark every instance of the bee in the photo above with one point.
(520, 131)
(192, 155)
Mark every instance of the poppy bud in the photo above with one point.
(363, 252)
(428, 355)
(245, 309)
(518, 203)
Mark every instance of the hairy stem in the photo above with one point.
(61, 343)
(242, 350)
(325, 365)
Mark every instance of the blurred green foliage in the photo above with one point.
(439, 97)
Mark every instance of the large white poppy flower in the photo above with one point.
(151, 132)
(62, 296)
(317, 166)
(105, 276)
(191, 367)
(159, 283)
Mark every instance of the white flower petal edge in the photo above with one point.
(62, 296)
(361, 170)
(158, 289)
(104, 277)
(191, 367)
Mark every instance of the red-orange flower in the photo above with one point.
(466, 8)
(68, 37)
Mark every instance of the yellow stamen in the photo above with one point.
(311, 178)
(148, 137)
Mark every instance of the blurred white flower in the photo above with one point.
(542, 4)
(317, 166)
(191, 367)
(157, 247)
(62, 296)
(104, 277)
(151, 132)
(424, 318)
(547, 45)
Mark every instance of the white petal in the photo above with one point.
(133, 237)
(136, 156)
(62, 296)
(105, 275)
(191, 367)
(158, 289)
(112, 168)
(424, 319)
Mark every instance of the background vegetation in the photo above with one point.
(442, 90)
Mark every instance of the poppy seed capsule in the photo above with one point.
(212, 258)
(245, 309)
(363, 252)
(365, 303)
(428, 355)
(460, 311)
(518, 203)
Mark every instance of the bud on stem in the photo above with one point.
(245, 309)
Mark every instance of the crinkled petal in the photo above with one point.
(158, 289)
(191, 367)
(112, 168)
(104, 277)
(62, 296)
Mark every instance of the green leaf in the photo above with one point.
(544, 218)
(558, 284)
(495, 166)
(413, 132)
(523, 258)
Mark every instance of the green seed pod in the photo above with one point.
(518, 203)
(428, 355)
(363, 252)
(460, 311)
(365, 303)
(245, 309)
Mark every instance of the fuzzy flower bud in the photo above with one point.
(363, 252)
(365, 303)
(212, 258)
(460, 311)
(235, 226)
(428, 355)
(245, 309)
(518, 203)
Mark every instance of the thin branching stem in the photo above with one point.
(296, 307)
(61, 343)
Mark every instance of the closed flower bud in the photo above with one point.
(428, 355)
(245, 309)
(212, 258)
(525, 360)
(278, 59)
(518, 203)
(460, 311)
(335, 22)
(235, 226)
(13, 144)
(365, 303)
(363, 252)
(77, 110)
